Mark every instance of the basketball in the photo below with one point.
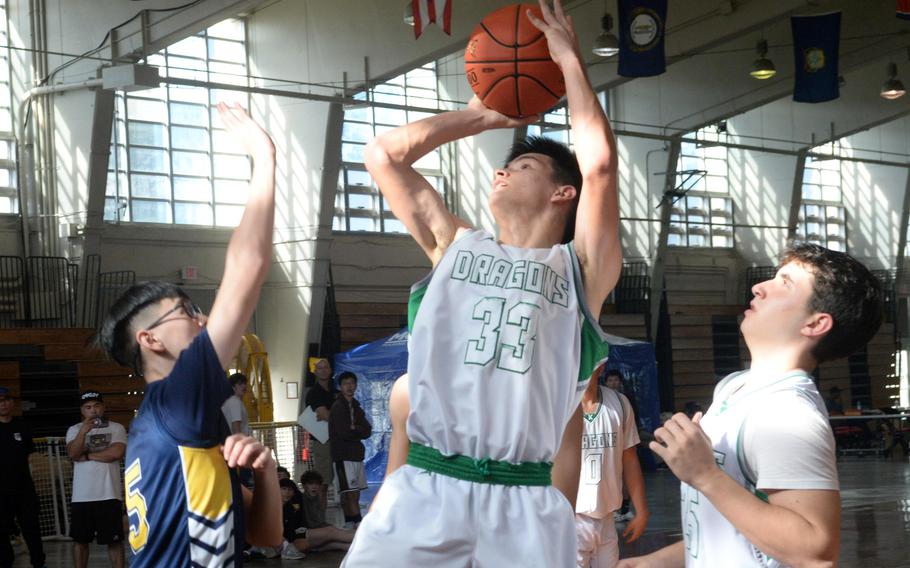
(507, 62)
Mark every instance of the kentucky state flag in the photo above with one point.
(642, 24)
(816, 41)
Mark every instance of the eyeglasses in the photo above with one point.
(189, 308)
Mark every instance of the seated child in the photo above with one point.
(297, 516)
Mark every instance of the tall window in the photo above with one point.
(170, 160)
(555, 124)
(359, 206)
(9, 199)
(822, 216)
(703, 216)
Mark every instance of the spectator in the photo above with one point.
(314, 514)
(833, 401)
(347, 427)
(238, 420)
(96, 447)
(304, 519)
(320, 398)
(233, 408)
(18, 499)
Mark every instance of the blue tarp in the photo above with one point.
(379, 363)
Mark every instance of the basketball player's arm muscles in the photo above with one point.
(262, 508)
(597, 220)
(399, 406)
(567, 463)
(249, 251)
(390, 157)
(796, 527)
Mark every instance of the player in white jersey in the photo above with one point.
(503, 338)
(608, 457)
(758, 471)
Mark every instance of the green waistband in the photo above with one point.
(479, 471)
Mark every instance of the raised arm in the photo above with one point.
(597, 221)
(390, 158)
(249, 251)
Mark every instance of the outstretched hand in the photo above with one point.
(248, 452)
(560, 32)
(244, 129)
(495, 119)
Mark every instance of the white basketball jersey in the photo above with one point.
(501, 348)
(710, 539)
(609, 431)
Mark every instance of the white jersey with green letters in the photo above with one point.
(609, 431)
(502, 346)
(710, 539)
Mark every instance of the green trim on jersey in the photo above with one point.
(418, 291)
(594, 350)
(479, 471)
(594, 347)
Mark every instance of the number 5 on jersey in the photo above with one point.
(136, 508)
(508, 336)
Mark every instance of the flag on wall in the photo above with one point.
(903, 9)
(642, 24)
(426, 12)
(816, 41)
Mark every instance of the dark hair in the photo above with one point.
(311, 476)
(115, 336)
(289, 483)
(238, 379)
(846, 290)
(565, 170)
(282, 468)
(346, 375)
(614, 373)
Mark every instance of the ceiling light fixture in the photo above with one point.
(762, 67)
(892, 88)
(606, 44)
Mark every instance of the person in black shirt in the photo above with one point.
(320, 398)
(18, 499)
(296, 531)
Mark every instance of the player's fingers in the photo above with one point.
(536, 22)
(545, 10)
(249, 453)
(698, 416)
(262, 459)
(560, 13)
(228, 446)
(238, 449)
(664, 435)
(659, 449)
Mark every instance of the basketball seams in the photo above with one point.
(490, 61)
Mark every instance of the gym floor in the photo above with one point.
(875, 530)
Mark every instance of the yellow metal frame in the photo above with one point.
(253, 361)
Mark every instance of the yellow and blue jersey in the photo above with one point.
(184, 504)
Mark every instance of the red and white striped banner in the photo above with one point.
(425, 13)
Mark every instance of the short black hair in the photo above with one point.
(846, 290)
(289, 483)
(115, 337)
(346, 375)
(614, 373)
(565, 170)
(311, 476)
(238, 379)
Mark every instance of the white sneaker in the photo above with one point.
(264, 552)
(290, 552)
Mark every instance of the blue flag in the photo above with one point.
(642, 24)
(816, 42)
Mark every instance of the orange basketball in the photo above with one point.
(508, 63)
